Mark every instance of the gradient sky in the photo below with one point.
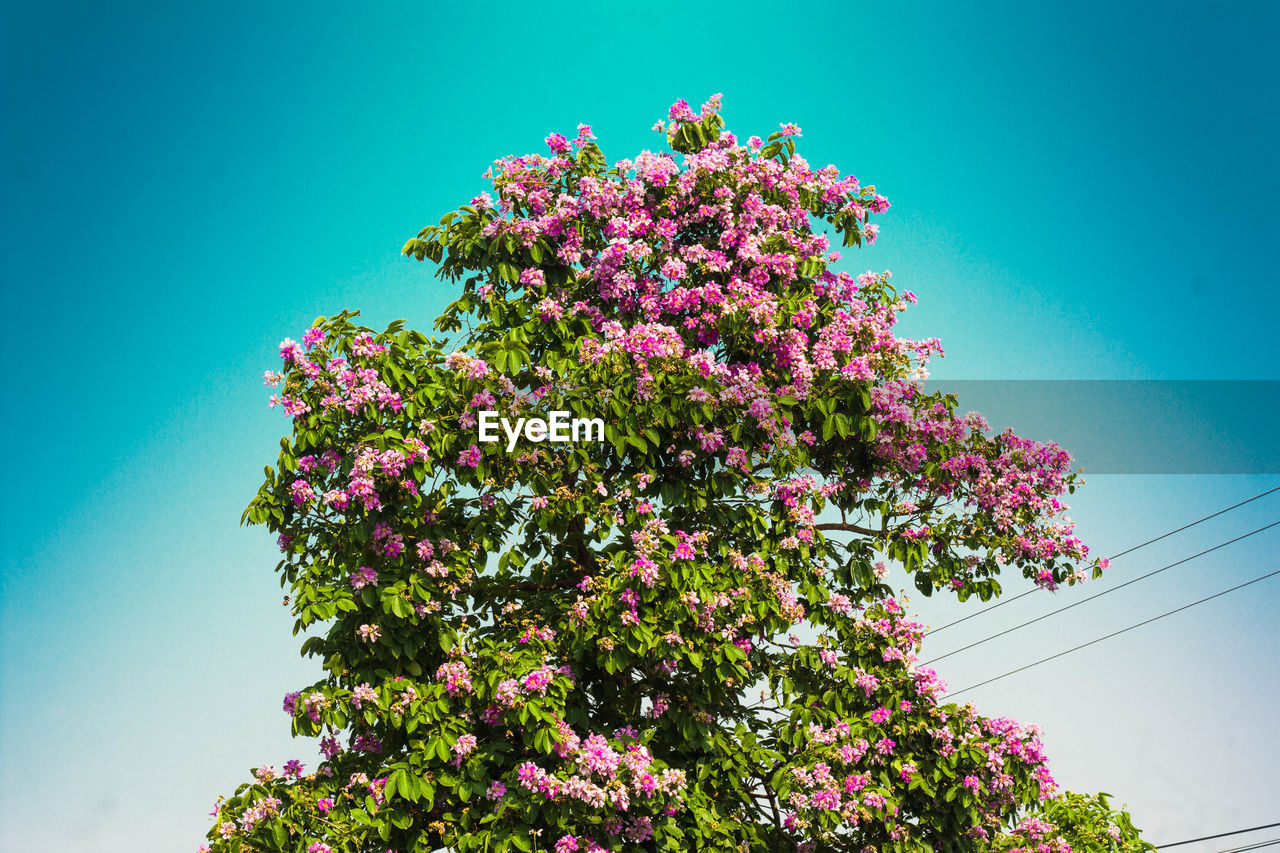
(1080, 191)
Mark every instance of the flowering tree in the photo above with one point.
(678, 635)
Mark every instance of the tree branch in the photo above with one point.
(850, 528)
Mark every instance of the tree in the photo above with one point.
(673, 632)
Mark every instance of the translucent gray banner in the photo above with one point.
(1137, 426)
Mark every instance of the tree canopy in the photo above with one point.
(678, 635)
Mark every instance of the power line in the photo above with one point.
(1219, 835)
(1197, 521)
(1257, 846)
(980, 612)
(1112, 557)
(1113, 634)
(1100, 594)
(1210, 838)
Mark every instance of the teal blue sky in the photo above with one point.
(1080, 191)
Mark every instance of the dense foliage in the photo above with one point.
(678, 637)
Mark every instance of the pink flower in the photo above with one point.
(301, 491)
(646, 569)
(362, 577)
(456, 677)
(538, 680)
(557, 143)
(363, 346)
(363, 693)
(291, 351)
(508, 693)
(464, 747)
(681, 111)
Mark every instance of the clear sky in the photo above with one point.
(1080, 191)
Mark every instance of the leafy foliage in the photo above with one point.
(1075, 822)
(678, 637)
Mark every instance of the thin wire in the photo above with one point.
(1112, 557)
(1257, 846)
(1099, 595)
(1194, 523)
(1009, 600)
(1219, 835)
(1113, 634)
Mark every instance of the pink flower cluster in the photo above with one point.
(455, 676)
(838, 776)
(602, 777)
